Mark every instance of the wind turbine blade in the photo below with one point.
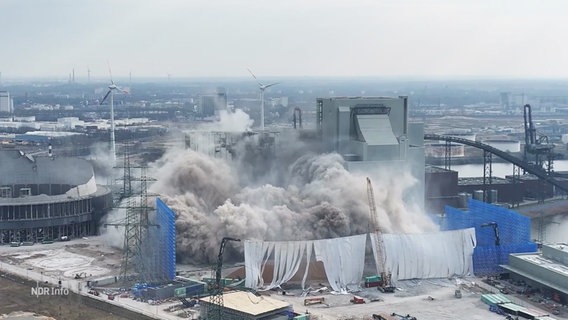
(106, 96)
(270, 85)
(123, 90)
(110, 72)
(252, 74)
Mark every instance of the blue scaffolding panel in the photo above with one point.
(166, 240)
(514, 231)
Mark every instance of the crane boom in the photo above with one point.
(215, 307)
(220, 260)
(385, 283)
(380, 262)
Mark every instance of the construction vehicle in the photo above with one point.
(357, 300)
(94, 292)
(316, 300)
(385, 284)
(458, 293)
(382, 316)
(215, 307)
(406, 317)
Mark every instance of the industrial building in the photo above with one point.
(373, 133)
(6, 102)
(440, 189)
(210, 104)
(46, 198)
(546, 270)
(444, 187)
(499, 191)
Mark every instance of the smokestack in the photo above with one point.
(73, 79)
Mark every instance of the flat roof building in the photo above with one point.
(547, 270)
(244, 305)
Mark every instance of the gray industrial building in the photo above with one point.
(373, 133)
(547, 270)
(211, 104)
(45, 198)
(6, 102)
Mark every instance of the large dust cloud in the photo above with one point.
(297, 193)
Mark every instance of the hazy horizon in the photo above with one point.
(404, 39)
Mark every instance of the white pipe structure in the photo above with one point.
(111, 88)
(112, 139)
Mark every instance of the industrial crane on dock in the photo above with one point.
(215, 309)
(385, 284)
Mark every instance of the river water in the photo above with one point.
(499, 169)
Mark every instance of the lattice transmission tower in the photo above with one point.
(136, 221)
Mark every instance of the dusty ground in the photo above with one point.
(92, 258)
(423, 299)
(15, 295)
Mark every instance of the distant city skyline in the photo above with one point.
(294, 38)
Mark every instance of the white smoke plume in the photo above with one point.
(297, 194)
(100, 157)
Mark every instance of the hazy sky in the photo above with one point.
(218, 38)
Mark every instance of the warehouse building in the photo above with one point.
(547, 270)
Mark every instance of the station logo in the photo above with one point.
(48, 291)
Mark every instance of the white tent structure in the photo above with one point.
(408, 256)
(343, 260)
(428, 255)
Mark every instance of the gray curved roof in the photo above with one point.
(18, 168)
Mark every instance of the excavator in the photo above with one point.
(385, 284)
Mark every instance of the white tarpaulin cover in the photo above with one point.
(343, 260)
(428, 255)
(407, 256)
(287, 257)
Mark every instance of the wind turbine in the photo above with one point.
(111, 89)
(262, 87)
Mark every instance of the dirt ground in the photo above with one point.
(16, 295)
(423, 299)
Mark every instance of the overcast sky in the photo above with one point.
(221, 38)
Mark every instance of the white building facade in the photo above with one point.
(6, 102)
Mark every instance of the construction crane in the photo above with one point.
(215, 308)
(495, 231)
(539, 147)
(385, 284)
